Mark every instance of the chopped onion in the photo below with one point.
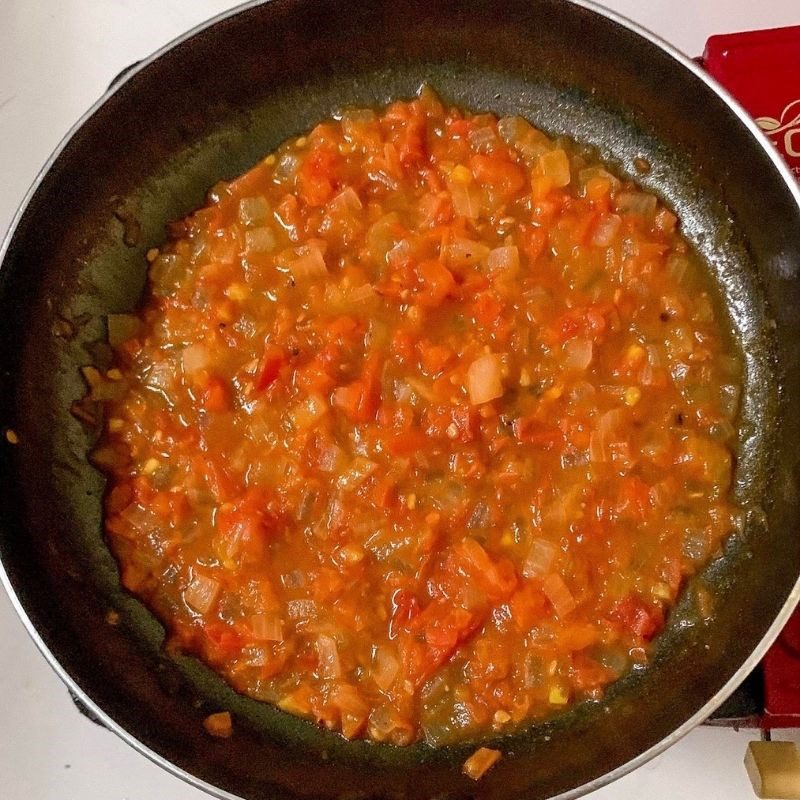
(577, 354)
(301, 609)
(259, 240)
(360, 469)
(219, 725)
(539, 560)
(386, 667)
(485, 379)
(195, 358)
(122, 327)
(521, 135)
(703, 309)
(555, 165)
(286, 167)
(482, 140)
(695, 545)
(347, 201)
(166, 272)
(582, 390)
(108, 390)
(666, 221)
(514, 129)
(605, 435)
(505, 260)
(466, 199)
(722, 431)
(559, 595)
(293, 580)
(400, 253)
(329, 666)
(480, 517)
(636, 203)
(480, 762)
(590, 173)
(330, 457)
(253, 211)
(161, 376)
(267, 627)
(362, 294)
(677, 266)
(141, 519)
(384, 233)
(729, 399)
(386, 724)
(224, 247)
(466, 253)
(309, 265)
(308, 412)
(201, 593)
(352, 709)
(606, 230)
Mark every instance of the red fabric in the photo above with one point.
(761, 69)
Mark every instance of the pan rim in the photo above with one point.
(772, 633)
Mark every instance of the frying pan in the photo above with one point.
(206, 108)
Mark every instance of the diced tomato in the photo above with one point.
(272, 359)
(459, 127)
(457, 423)
(533, 241)
(499, 173)
(537, 433)
(497, 578)
(634, 498)
(436, 283)
(360, 399)
(642, 619)
(528, 606)
(224, 641)
(444, 629)
(403, 345)
(487, 308)
(412, 145)
(216, 397)
(317, 178)
(404, 608)
(407, 443)
(434, 357)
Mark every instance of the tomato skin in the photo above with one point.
(273, 358)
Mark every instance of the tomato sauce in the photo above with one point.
(421, 426)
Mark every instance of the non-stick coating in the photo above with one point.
(207, 109)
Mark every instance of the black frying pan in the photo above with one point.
(206, 108)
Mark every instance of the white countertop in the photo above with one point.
(56, 58)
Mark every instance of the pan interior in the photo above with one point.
(210, 108)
